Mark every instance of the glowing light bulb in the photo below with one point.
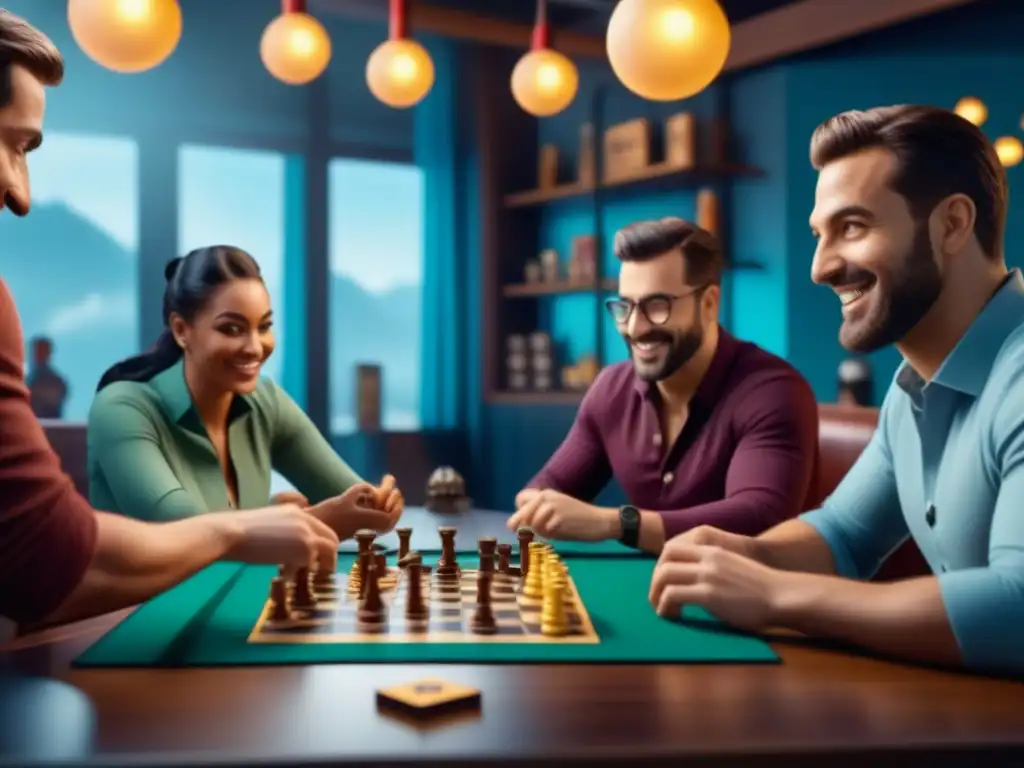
(971, 109)
(1009, 150)
(126, 35)
(400, 72)
(295, 48)
(544, 82)
(666, 50)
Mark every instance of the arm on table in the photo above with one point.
(303, 456)
(125, 445)
(972, 617)
(579, 467)
(771, 469)
(135, 561)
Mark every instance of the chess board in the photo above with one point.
(451, 603)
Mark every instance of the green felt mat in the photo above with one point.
(206, 621)
(596, 549)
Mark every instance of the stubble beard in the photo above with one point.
(910, 291)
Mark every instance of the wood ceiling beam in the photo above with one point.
(791, 29)
(808, 24)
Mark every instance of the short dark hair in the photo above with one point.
(938, 153)
(21, 43)
(700, 250)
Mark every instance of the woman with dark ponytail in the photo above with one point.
(190, 427)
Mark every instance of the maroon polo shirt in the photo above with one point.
(745, 460)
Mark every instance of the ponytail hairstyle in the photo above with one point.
(191, 280)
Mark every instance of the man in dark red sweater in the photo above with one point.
(61, 560)
(699, 428)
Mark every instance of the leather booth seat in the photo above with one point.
(843, 433)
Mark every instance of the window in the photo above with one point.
(72, 264)
(237, 197)
(376, 266)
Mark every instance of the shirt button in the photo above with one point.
(929, 515)
(657, 438)
(667, 478)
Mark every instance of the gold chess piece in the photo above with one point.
(533, 588)
(554, 618)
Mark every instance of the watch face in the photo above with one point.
(630, 514)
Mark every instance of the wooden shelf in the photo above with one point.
(560, 288)
(655, 172)
(556, 397)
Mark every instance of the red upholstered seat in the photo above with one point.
(844, 431)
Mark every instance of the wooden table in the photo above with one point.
(819, 707)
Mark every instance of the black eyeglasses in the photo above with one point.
(657, 307)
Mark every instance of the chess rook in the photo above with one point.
(447, 566)
(486, 548)
(504, 556)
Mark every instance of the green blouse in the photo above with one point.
(150, 456)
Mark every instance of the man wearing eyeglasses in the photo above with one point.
(698, 427)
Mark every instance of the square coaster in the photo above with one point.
(428, 696)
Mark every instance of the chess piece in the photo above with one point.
(525, 537)
(415, 605)
(364, 538)
(279, 600)
(323, 576)
(404, 535)
(486, 547)
(302, 594)
(447, 567)
(483, 622)
(372, 611)
(554, 619)
(533, 584)
(365, 561)
(504, 555)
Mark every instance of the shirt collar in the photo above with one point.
(176, 399)
(711, 385)
(967, 367)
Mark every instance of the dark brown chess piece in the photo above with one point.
(447, 567)
(504, 556)
(371, 610)
(365, 561)
(486, 548)
(483, 622)
(415, 605)
(323, 576)
(525, 536)
(302, 595)
(279, 599)
(381, 561)
(404, 534)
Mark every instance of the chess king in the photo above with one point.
(697, 427)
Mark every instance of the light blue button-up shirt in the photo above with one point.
(946, 467)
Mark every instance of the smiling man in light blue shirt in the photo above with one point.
(909, 213)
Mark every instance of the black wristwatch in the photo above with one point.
(629, 520)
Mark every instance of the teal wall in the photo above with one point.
(215, 81)
(970, 51)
